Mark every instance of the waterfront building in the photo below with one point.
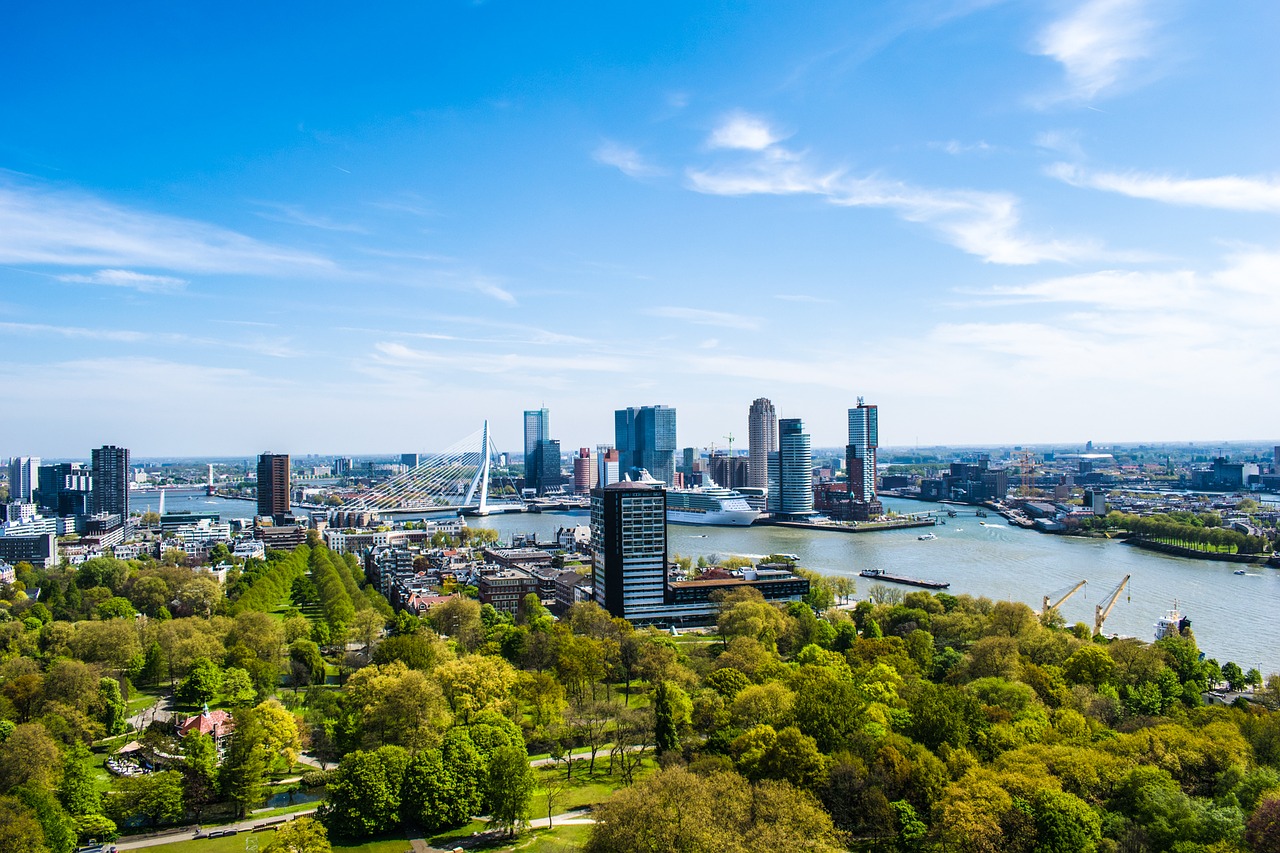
(24, 478)
(791, 471)
(584, 472)
(762, 439)
(110, 467)
(629, 549)
(607, 466)
(542, 469)
(860, 461)
(646, 438)
(688, 461)
(731, 472)
(537, 427)
(273, 486)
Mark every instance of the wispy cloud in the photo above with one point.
(745, 132)
(397, 354)
(1096, 43)
(1228, 192)
(986, 224)
(625, 159)
(141, 282)
(44, 225)
(702, 317)
(491, 288)
(955, 147)
(293, 215)
(112, 335)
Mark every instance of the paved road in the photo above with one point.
(188, 833)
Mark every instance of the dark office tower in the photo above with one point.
(646, 438)
(762, 439)
(791, 471)
(410, 460)
(688, 455)
(65, 489)
(542, 469)
(629, 549)
(860, 461)
(110, 493)
(273, 486)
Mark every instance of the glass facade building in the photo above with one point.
(860, 455)
(791, 471)
(629, 549)
(646, 438)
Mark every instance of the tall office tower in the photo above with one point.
(584, 472)
(410, 460)
(607, 468)
(273, 486)
(24, 478)
(343, 466)
(791, 470)
(762, 439)
(646, 438)
(542, 469)
(629, 548)
(1277, 460)
(536, 428)
(860, 455)
(685, 468)
(110, 494)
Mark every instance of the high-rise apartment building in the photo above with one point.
(537, 427)
(65, 488)
(24, 478)
(629, 549)
(273, 486)
(343, 466)
(646, 438)
(791, 471)
(860, 461)
(762, 439)
(110, 469)
(607, 467)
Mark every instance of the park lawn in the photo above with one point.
(397, 843)
(554, 840)
(585, 789)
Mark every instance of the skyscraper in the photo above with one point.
(65, 488)
(410, 460)
(24, 478)
(791, 470)
(860, 460)
(629, 549)
(762, 439)
(542, 469)
(584, 472)
(646, 438)
(110, 493)
(536, 428)
(273, 486)
(606, 466)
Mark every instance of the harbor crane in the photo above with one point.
(1048, 605)
(1103, 609)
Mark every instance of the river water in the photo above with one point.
(1234, 617)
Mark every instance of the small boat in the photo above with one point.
(982, 513)
(926, 537)
(1239, 572)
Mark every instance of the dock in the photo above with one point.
(882, 575)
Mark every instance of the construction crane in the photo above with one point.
(1027, 468)
(730, 437)
(1103, 609)
(1056, 604)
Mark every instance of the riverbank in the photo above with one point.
(1178, 550)
(852, 526)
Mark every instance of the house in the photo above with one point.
(217, 724)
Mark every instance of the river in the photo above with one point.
(1234, 617)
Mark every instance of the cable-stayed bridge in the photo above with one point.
(455, 479)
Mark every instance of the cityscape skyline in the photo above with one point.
(1010, 199)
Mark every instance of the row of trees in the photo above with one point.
(1183, 533)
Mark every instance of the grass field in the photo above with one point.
(237, 844)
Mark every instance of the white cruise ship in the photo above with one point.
(709, 505)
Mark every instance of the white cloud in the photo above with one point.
(39, 225)
(706, 318)
(985, 224)
(1228, 192)
(1096, 43)
(955, 147)
(627, 160)
(520, 363)
(744, 132)
(491, 288)
(294, 215)
(127, 278)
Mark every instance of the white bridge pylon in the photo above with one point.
(436, 484)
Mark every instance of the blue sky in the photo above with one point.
(317, 228)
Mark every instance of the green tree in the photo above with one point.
(237, 686)
(77, 792)
(110, 708)
(243, 775)
(426, 792)
(58, 826)
(666, 734)
(19, 830)
(153, 799)
(509, 788)
(300, 835)
(363, 797)
(30, 756)
(199, 771)
(202, 685)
